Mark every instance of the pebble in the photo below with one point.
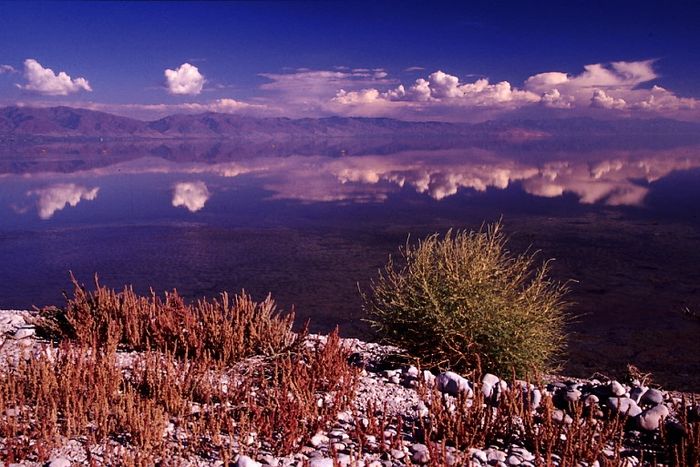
(617, 389)
(453, 384)
(61, 462)
(24, 332)
(652, 397)
(321, 462)
(319, 439)
(421, 455)
(651, 419)
(572, 395)
(624, 406)
(559, 416)
(245, 461)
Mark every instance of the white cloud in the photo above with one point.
(439, 90)
(45, 81)
(554, 99)
(190, 195)
(601, 100)
(7, 69)
(186, 79)
(58, 196)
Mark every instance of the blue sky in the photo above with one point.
(398, 59)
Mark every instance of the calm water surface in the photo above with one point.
(308, 223)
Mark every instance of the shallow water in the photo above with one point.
(311, 222)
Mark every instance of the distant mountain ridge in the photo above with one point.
(27, 123)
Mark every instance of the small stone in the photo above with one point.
(572, 395)
(651, 419)
(522, 453)
(479, 455)
(514, 460)
(617, 389)
(591, 399)
(494, 455)
(59, 462)
(636, 393)
(390, 373)
(394, 379)
(338, 434)
(23, 333)
(652, 397)
(245, 461)
(339, 446)
(561, 417)
(490, 379)
(429, 378)
(453, 384)
(319, 439)
(624, 406)
(397, 454)
(321, 462)
(421, 455)
(412, 372)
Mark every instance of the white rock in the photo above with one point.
(412, 372)
(319, 439)
(453, 384)
(245, 461)
(321, 462)
(617, 389)
(23, 333)
(652, 418)
(59, 462)
(624, 406)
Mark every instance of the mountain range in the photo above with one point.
(67, 123)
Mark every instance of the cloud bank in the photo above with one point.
(45, 81)
(184, 80)
(620, 87)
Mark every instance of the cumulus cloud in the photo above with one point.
(190, 195)
(7, 69)
(441, 87)
(554, 99)
(186, 79)
(612, 86)
(45, 81)
(601, 100)
(58, 196)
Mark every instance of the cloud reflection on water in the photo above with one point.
(56, 197)
(612, 178)
(190, 195)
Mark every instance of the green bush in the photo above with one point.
(463, 301)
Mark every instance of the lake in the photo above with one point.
(313, 221)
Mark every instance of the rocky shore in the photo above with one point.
(379, 429)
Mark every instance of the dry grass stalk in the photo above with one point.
(191, 359)
(226, 329)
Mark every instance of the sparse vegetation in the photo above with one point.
(218, 378)
(464, 301)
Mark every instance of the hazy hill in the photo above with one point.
(26, 123)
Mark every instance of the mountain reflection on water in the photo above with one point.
(310, 222)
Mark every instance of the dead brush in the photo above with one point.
(82, 393)
(465, 422)
(226, 329)
(76, 392)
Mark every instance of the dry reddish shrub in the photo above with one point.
(235, 361)
(226, 329)
(472, 422)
